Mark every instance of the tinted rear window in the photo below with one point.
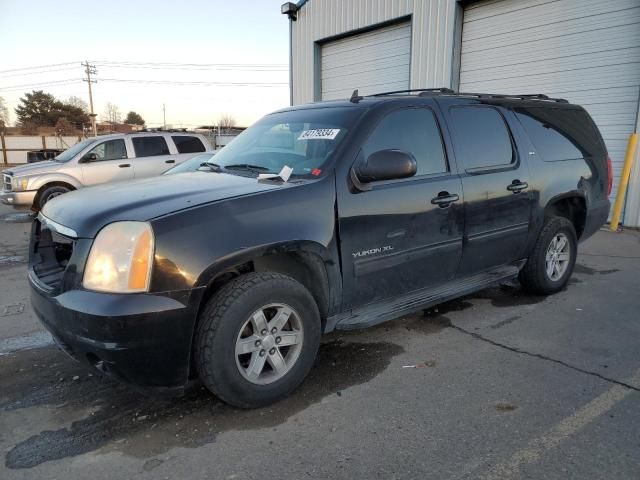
(188, 144)
(482, 138)
(150, 146)
(561, 133)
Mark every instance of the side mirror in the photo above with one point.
(89, 157)
(387, 165)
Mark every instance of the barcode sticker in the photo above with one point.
(319, 134)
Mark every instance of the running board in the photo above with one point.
(373, 314)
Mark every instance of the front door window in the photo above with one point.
(109, 150)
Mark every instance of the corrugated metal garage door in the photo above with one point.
(585, 51)
(375, 61)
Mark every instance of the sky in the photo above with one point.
(150, 53)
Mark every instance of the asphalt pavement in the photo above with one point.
(497, 385)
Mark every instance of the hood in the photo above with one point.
(87, 210)
(35, 168)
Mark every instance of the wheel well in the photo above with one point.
(572, 208)
(307, 268)
(36, 200)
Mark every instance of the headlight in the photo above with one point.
(120, 258)
(19, 184)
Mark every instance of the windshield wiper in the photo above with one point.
(213, 166)
(247, 166)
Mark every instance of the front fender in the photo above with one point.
(229, 262)
(196, 245)
(40, 181)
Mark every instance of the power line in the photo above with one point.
(203, 83)
(231, 68)
(160, 64)
(173, 64)
(70, 81)
(38, 67)
(67, 81)
(24, 74)
(46, 69)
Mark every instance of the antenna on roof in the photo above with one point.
(355, 98)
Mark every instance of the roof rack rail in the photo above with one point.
(413, 90)
(160, 129)
(540, 96)
(447, 91)
(529, 96)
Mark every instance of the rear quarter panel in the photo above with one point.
(552, 180)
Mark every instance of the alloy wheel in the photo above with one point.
(269, 343)
(557, 257)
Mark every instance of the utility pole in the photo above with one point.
(91, 70)
(164, 117)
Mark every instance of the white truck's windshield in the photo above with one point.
(74, 150)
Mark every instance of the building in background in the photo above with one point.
(587, 51)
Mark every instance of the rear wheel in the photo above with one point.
(50, 192)
(551, 262)
(257, 339)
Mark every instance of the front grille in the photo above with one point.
(51, 253)
(6, 182)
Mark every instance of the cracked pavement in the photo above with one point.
(496, 385)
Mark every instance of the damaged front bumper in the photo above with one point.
(141, 339)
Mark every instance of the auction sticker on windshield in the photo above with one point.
(319, 134)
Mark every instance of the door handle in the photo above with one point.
(444, 199)
(170, 161)
(124, 165)
(517, 186)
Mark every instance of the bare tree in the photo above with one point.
(77, 102)
(111, 113)
(64, 127)
(4, 113)
(226, 121)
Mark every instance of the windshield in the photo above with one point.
(301, 139)
(73, 151)
(192, 164)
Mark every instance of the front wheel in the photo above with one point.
(551, 262)
(50, 192)
(257, 339)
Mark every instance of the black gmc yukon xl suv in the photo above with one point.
(395, 202)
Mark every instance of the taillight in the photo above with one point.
(609, 176)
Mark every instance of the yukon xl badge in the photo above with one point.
(372, 251)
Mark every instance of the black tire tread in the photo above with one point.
(211, 318)
(532, 276)
(43, 197)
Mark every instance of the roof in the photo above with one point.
(148, 133)
(442, 93)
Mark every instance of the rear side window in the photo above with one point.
(412, 130)
(482, 138)
(188, 144)
(150, 146)
(560, 133)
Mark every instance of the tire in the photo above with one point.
(228, 320)
(50, 192)
(535, 277)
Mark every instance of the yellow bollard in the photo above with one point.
(624, 181)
